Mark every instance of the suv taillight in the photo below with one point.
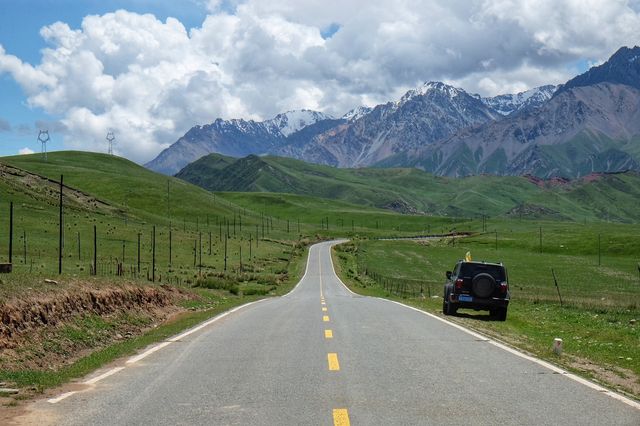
(504, 286)
(459, 283)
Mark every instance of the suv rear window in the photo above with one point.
(473, 269)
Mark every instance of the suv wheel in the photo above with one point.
(453, 308)
(448, 308)
(501, 314)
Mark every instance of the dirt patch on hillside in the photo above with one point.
(48, 331)
(548, 182)
(43, 189)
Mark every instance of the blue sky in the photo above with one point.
(20, 24)
(150, 78)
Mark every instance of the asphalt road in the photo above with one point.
(273, 363)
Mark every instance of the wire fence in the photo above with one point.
(402, 287)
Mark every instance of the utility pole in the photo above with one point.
(138, 253)
(225, 251)
(168, 204)
(11, 232)
(43, 138)
(61, 231)
(153, 255)
(110, 140)
(95, 251)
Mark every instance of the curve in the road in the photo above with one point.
(324, 355)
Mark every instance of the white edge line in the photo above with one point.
(334, 269)
(167, 342)
(151, 350)
(103, 376)
(159, 346)
(61, 397)
(306, 269)
(538, 361)
(88, 382)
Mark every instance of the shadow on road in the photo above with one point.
(475, 316)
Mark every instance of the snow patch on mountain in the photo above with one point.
(293, 121)
(510, 103)
(356, 113)
(431, 87)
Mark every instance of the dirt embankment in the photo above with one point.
(47, 331)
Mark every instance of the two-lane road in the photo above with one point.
(322, 355)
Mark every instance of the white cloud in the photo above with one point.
(151, 81)
(25, 151)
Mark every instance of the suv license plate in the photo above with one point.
(465, 298)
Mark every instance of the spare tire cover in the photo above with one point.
(483, 285)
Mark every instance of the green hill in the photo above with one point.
(124, 202)
(600, 197)
(135, 191)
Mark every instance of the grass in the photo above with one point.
(595, 320)
(191, 224)
(41, 380)
(86, 330)
(596, 262)
(132, 201)
(412, 190)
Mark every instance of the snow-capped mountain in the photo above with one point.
(588, 124)
(530, 99)
(583, 130)
(591, 124)
(236, 138)
(431, 112)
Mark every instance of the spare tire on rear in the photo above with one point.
(483, 285)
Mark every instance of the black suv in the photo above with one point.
(477, 285)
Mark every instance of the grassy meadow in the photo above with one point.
(600, 293)
(595, 261)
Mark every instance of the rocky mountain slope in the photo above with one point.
(528, 100)
(622, 68)
(422, 116)
(591, 124)
(235, 137)
(588, 124)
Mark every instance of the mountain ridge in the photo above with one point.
(410, 190)
(546, 131)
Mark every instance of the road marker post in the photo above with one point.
(557, 346)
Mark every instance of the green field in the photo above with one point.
(600, 294)
(595, 261)
(609, 197)
(133, 202)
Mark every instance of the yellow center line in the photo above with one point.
(334, 365)
(324, 309)
(325, 318)
(341, 417)
(328, 334)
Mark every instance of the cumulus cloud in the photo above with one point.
(150, 80)
(25, 151)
